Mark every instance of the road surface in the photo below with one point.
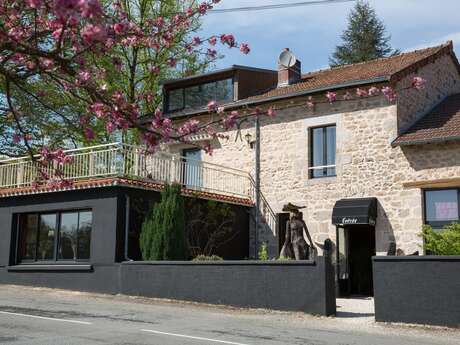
(32, 316)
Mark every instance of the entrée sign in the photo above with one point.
(349, 220)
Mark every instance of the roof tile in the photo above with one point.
(440, 124)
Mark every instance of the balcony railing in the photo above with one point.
(132, 162)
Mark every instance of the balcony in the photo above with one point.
(129, 162)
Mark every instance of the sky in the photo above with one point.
(312, 32)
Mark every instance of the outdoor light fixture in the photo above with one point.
(248, 137)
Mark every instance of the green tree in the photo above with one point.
(163, 235)
(445, 242)
(364, 39)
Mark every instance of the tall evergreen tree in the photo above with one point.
(163, 234)
(364, 39)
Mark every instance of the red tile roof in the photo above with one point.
(391, 68)
(124, 182)
(440, 124)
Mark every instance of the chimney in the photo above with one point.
(289, 69)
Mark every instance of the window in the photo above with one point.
(198, 96)
(193, 171)
(322, 151)
(55, 236)
(441, 207)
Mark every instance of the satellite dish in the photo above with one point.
(287, 59)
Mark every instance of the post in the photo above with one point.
(257, 191)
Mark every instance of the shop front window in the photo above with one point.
(54, 236)
(441, 207)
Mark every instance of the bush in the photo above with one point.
(163, 234)
(263, 252)
(208, 258)
(445, 242)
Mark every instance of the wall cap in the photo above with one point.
(424, 258)
(50, 268)
(221, 263)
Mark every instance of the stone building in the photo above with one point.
(370, 172)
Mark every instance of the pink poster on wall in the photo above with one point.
(446, 210)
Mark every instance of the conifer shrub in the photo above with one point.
(163, 234)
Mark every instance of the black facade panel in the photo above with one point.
(422, 290)
(295, 286)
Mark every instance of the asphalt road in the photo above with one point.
(31, 316)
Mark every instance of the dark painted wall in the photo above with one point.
(295, 286)
(424, 290)
(102, 201)
(103, 275)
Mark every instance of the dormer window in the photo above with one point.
(198, 96)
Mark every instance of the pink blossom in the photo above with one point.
(212, 41)
(118, 28)
(196, 41)
(361, 93)
(90, 8)
(244, 48)
(46, 63)
(220, 110)
(93, 33)
(418, 83)
(98, 109)
(389, 94)
(89, 133)
(154, 69)
(207, 147)
(16, 138)
(212, 53)
(34, 3)
(212, 106)
(374, 91)
(310, 103)
(331, 96)
(230, 120)
(189, 127)
(110, 126)
(228, 39)
(271, 112)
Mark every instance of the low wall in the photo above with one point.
(417, 289)
(295, 286)
(305, 286)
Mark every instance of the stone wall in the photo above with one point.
(443, 80)
(367, 164)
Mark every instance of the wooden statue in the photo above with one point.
(295, 246)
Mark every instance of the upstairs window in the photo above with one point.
(441, 207)
(322, 151)
(55, 236)
(198, 96)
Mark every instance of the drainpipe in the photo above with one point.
(127, 211)
(257, 187)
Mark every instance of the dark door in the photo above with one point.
(361, 241)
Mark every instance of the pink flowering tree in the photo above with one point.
(93, 67)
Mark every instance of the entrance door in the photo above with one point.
(361, 248)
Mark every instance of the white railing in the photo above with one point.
(129, 161)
